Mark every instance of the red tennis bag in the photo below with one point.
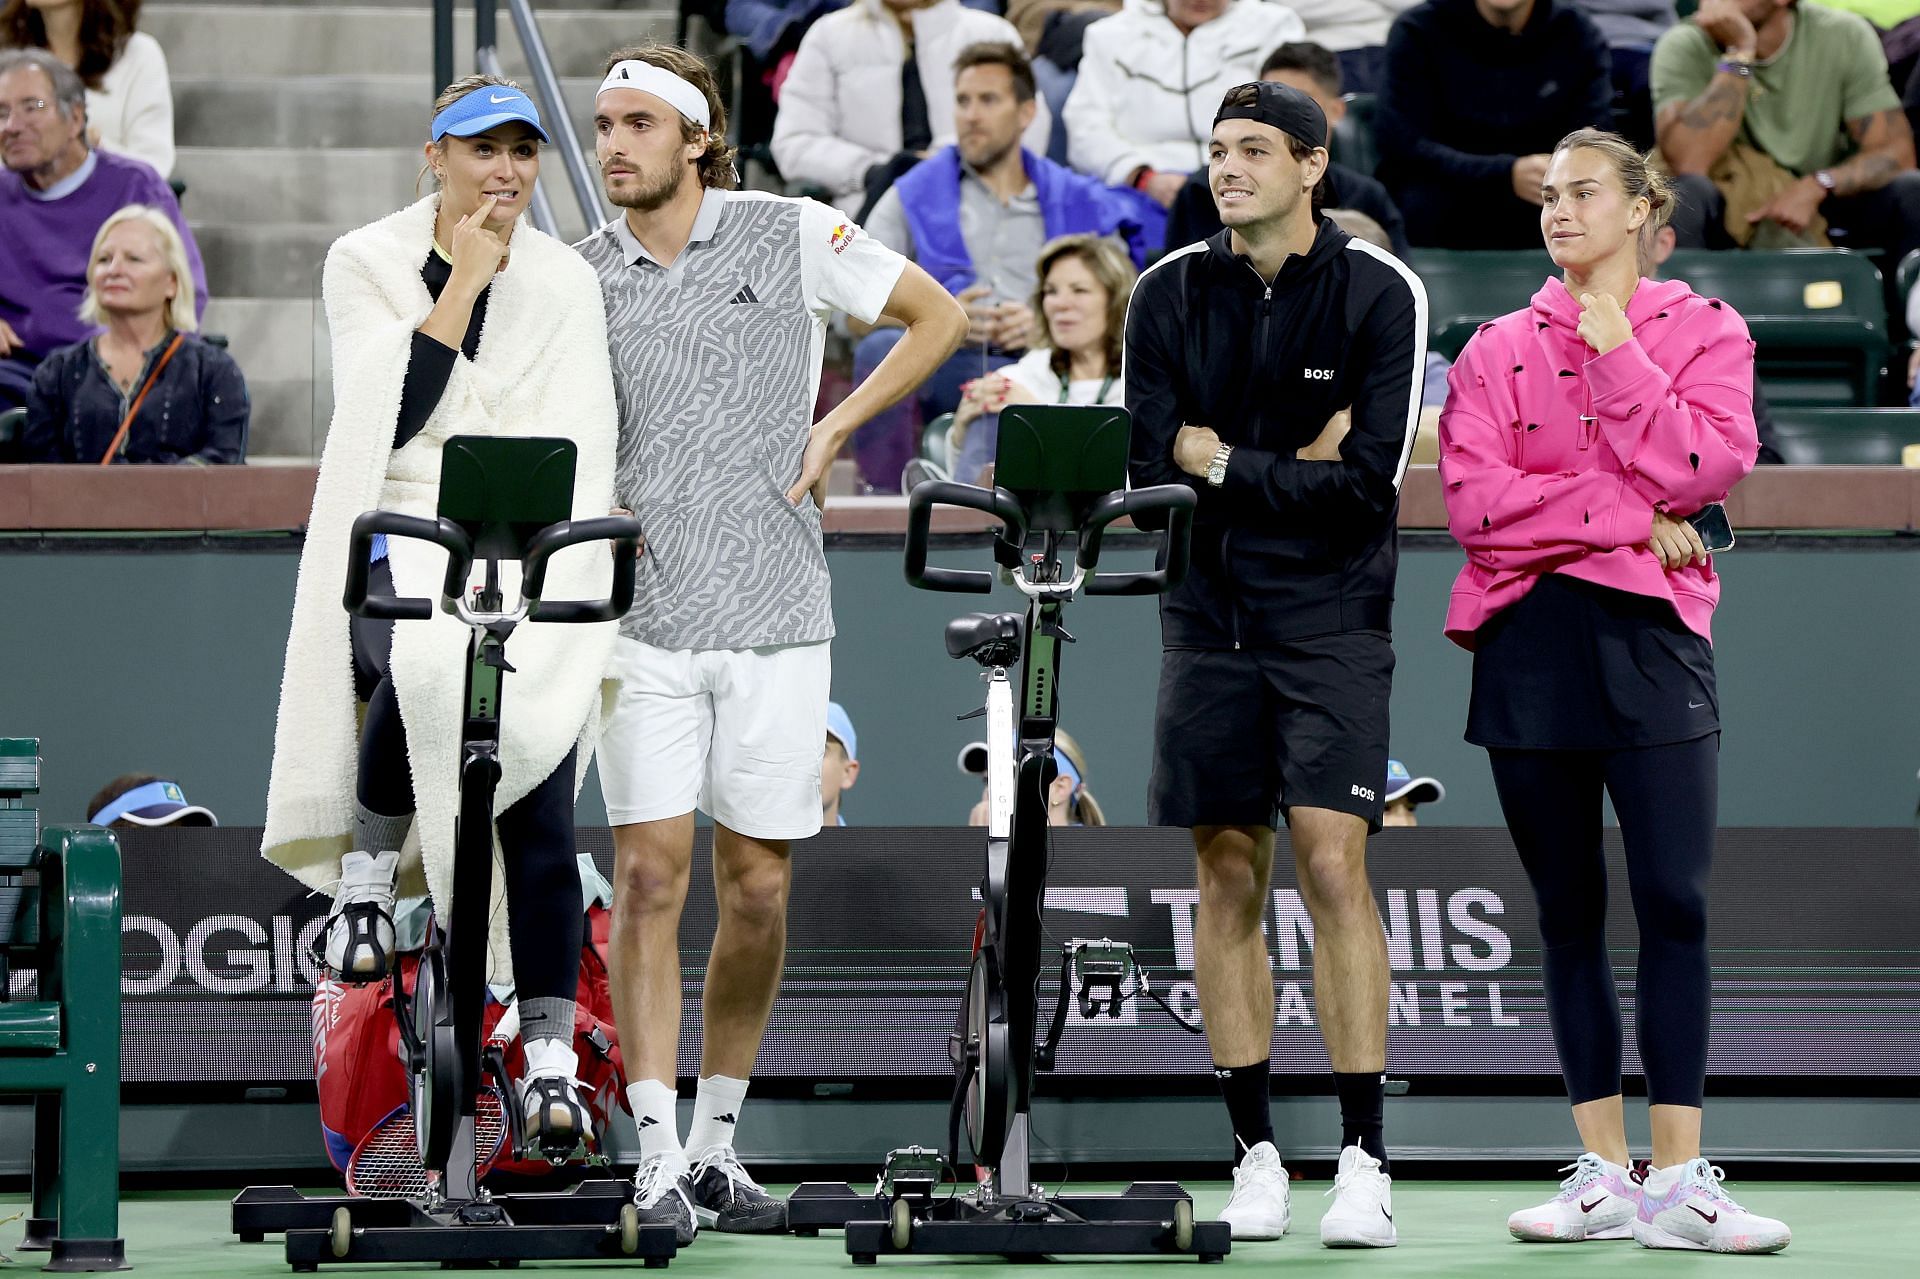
(361, 1075)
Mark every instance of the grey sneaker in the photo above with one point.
(663, 1193)
(730, 1201)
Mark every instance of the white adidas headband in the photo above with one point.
(661, 83)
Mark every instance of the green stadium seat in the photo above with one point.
(933, 441)
(1353, 140)
(60, 916)
(1907, 272)
(1466, 289)
(1845, 437)
(12, 422)
(1818, 318)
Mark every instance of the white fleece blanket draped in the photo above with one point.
(541, 369)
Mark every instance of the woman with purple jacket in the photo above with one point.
(1579, 434)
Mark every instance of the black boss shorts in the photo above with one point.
(1240, 736)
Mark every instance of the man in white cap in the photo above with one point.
(1405, 792)
(717, 303)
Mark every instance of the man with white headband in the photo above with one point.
(717, 302)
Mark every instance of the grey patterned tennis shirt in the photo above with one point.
(716, 367)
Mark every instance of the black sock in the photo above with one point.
(1249, 1092)
(1363, 1097)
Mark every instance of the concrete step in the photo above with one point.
(278, 339)
(253, 260)
(338, 187)
(329, 110)
(262, 40)
(283, 419)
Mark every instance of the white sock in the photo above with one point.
(656, 1115)
(716, 1109)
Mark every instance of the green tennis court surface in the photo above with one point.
(1845, 1230)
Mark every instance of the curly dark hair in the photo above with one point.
(104, 28)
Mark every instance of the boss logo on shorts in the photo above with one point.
(1317, 375)
(1363, 792)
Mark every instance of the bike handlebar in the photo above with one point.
(997, 502)
(403, 608)
(1178, 501)
(622, 530)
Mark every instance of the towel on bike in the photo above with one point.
(541, 369)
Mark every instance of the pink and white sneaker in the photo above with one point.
(1684, 1207)
(1598, 1201)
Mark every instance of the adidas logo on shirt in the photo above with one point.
(745, 295)
(727, 1118)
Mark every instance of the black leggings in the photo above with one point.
(1667, 799)
(545, 920)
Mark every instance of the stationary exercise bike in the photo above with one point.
(1060, 479)
(500, 499)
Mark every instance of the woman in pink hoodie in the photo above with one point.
(1578, 435)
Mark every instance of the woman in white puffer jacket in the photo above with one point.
(840, 106)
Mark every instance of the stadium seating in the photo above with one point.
(1466, 289)
(933, 442)
(60, 916)
(1353, 143)
(1858, 437)
(1818, 316)
(11, 423)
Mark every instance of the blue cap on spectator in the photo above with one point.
(1402, 784)
(159, 803)
(486, 108)
(840, 729)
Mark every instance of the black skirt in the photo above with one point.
(1575, 666)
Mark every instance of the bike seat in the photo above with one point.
(991, 639)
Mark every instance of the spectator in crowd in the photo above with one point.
(145, 799)
(1151, 78)
(1055, 33)
(839, 765)
(1069, 802)
(1356, 30)
(1035, 19)
(1780, 126)
(1477, 93)
(129, 96)
(769, 32)
(1405, 793)
(871, 92)
(145, 389)
(1086, 282)
(975, 216)
(1630, 28)
(1315, 72)
(54, 195)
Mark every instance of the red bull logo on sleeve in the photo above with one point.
(842, 237)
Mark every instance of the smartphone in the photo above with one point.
(1710, 522)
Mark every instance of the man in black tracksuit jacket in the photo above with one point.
(1246, 356)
